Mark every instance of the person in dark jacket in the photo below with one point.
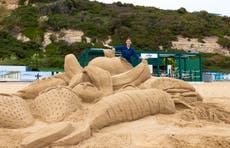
(127, 50)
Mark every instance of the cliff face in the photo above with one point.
(9, 4)
(209, 45)
(70, 36)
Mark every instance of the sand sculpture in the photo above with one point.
(100, 78)
(83, 100)
(135, 76)
(178, 89)
(14, 112)
(116, 65)
(55, 103)
(109, 53)
(87, 92)
(36, 87)
(130, 105)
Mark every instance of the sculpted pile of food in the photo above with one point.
(71, 106)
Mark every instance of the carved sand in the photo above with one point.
(71, 107)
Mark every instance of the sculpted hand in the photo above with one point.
(106, 45)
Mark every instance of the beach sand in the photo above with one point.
(12, 87)
(158, 131)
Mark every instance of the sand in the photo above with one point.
(12, 87)
(152, 131)
(215, 92)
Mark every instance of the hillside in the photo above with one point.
(150, 28)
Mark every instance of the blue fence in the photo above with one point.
(24, 76)
(215, 76)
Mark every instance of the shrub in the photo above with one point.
(224, 42)
(35, 34)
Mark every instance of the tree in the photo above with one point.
(182, 10)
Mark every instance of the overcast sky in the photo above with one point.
(212, 6)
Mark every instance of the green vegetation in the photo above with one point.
(13, 51)
(55, 53)
(224, 42)
(148, 27)
(3, 13)
(215, 62)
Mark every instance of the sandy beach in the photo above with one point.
(12, 87)
(175, 130)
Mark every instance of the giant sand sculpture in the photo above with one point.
(76, 103)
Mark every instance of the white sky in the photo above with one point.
(212, 6)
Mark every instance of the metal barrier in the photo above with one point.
(24, 76)
(191, 75)
(216, 76)
(207, 77)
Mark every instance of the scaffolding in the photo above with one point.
(181, 65)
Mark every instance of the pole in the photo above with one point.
(180, 71)
(200, 64)
(158, 66)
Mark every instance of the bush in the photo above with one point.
(3, 12)
(55, 53)
(200, 39)
(13, 51)
(58, 21)
(182, 10)
(224, 42)
(22, 17)
(10, 45)
(216, 62)
(35, 34)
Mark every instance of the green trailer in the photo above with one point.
(182, 65)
